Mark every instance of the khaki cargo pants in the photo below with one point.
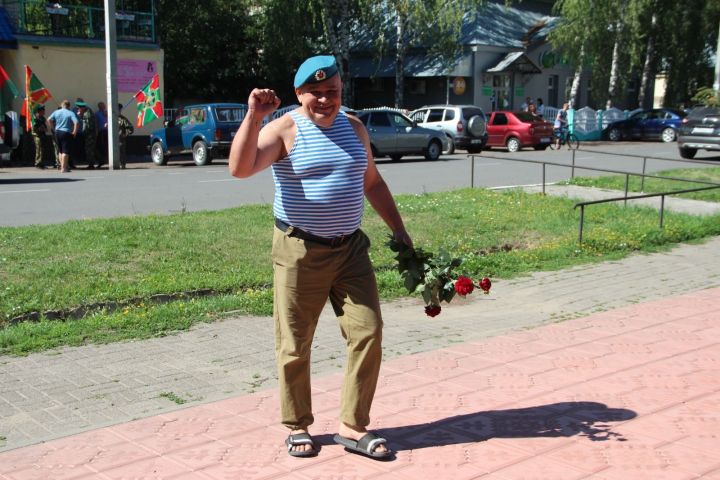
(306, 274)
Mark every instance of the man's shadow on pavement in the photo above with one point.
(19, 181)
(567, 419)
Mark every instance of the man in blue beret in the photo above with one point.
(323, 170)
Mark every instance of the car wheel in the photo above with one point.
(201, 153)
(395, 158)
(157, 154)
(668, 135)
(433, 150)
(476, 126)
(512, 144)
(688, 152)
(451, 146)
(615, 135)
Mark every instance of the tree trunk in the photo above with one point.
(399, 59)
(647, 67)
(615, 67)
(576, 79)
(336, 22)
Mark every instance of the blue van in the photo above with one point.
(205, 130)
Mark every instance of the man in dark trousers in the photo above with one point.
(323, 170)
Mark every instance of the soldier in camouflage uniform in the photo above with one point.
(39, 134)
(125, 129)
(89, 129)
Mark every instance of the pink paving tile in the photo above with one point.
(490, 456)
(200, 456)
(390, 383)
(440, 462)
(23, 458)
(150, 469)
(543, 468)
(227, 471)
(57, 472)
(442, 399)
(428, 365)
(120, 455)
(668, 473)
(646, 401)
(689, 459)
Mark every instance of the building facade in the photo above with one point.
(505, 57)
(64, 45)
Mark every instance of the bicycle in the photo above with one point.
(565, 138)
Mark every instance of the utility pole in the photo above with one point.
(111, 83)
(716, 85)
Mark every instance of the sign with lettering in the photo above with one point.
(132, 75)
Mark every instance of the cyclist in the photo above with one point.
(561, 123)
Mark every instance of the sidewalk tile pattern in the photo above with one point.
(631, 393)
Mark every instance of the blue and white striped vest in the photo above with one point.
(319, 185)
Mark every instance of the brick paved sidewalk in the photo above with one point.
(630, 393)
(54, 394)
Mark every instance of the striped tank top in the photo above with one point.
(319, 185)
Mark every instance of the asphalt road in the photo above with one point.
(32, 196)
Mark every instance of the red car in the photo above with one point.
(515, 130)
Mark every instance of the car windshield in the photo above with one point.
(527, 117)
(701, 112)
(229, 114)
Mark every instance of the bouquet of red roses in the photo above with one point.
(433, 276)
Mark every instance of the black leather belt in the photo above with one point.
(303, 235)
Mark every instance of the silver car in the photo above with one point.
(393, 134)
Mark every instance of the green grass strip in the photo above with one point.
(654, 185)
(501, 235)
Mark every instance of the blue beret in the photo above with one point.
(315, 69)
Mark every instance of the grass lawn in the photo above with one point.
(653, 185)
(114, 268)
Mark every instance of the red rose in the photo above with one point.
(463, 285)
(432, 310)
(485, 285)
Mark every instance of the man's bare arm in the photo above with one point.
(255, 148)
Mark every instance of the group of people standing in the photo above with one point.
(76, 135)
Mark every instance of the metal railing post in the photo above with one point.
(572, 170)
(642, 179)
(472, 171)
(543, 190)
(627, 185)
(582, 219)
(662, 209)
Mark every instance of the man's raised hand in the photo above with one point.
(263, 101)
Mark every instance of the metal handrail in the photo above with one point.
(625, 198)
(662, 196)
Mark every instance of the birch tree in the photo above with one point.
(433, 26)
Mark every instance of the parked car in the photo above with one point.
(464, 125)
(515, 130)
(700, 130)
(206, 130)
(393, 134)
(658, 123)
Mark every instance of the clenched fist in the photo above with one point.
(264, 101)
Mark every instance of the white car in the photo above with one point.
(464, 125)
